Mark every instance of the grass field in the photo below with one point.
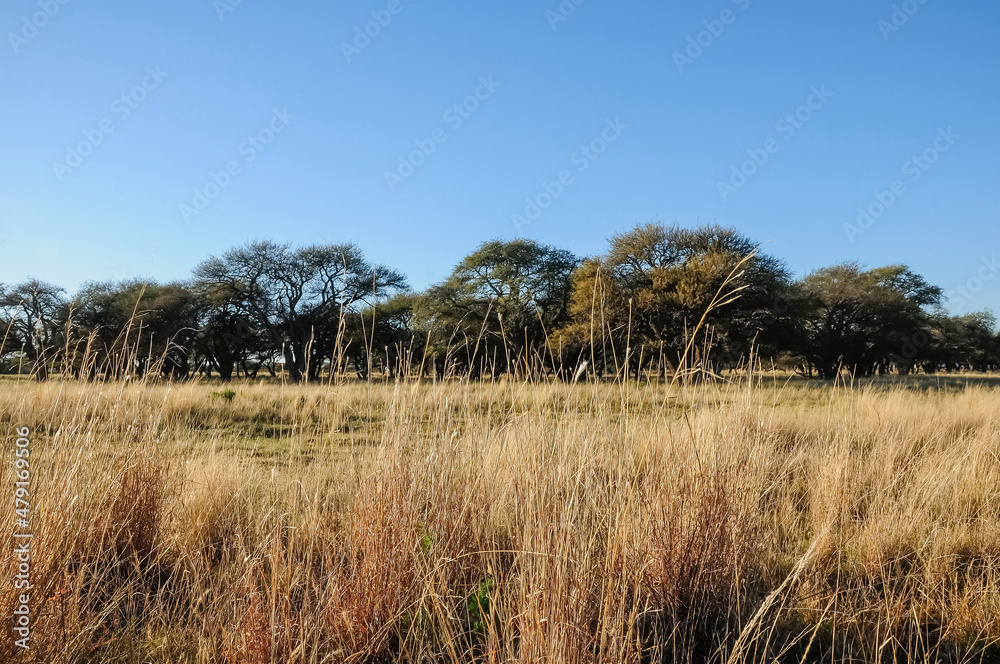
(509, 522)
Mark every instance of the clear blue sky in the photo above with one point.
(323, 178)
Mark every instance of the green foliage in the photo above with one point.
(478, 606)
(499, 305)
(228, 395)
(426, 545)
(298, 297)
(510, 307)
(137, 326)
(656, 283)
(866, 320)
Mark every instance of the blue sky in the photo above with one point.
(162, 95)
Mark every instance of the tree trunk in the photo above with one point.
(291, 365)
(37, 361)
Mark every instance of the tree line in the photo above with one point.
(660, 301)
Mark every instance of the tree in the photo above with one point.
(381, 337)
(597, 332)
(227, 340)
(866, 321)
(134, 326)
(499, 305)
(656, 283)
(299, 298)
(962, 342)
(32, 317)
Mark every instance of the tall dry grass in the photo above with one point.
(509, 522)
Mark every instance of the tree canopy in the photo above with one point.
(661, 299)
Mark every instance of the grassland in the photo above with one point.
(509, 522)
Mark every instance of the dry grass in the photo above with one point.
(509, 522)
